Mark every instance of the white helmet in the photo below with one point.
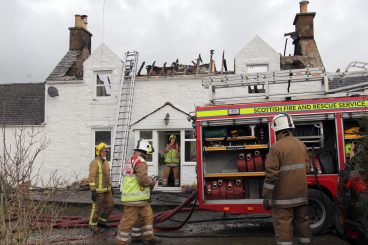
(282, 121)
(145, 146)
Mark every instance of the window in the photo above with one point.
(103, 84)
(148, 136)
(257, 68)
(105, 137)
(190, 146)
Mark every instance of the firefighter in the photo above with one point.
(136, 193)
(285, 187)
(100, 185)
(171, 161)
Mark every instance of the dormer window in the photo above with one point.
(103, 84)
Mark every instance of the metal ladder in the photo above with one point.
(267, 86)
(122, 126)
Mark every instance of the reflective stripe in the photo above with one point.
(99, 174)
(285, 243)
(268, 186)
(123, 239)
(290, 201)
(147, 227)
(92, 214)
(92, 183)
(305, 240)
(136, 234)
(123, 234)
(103, 189)
(102, 219)
(292, 167)
(136, 229)
(148, 233)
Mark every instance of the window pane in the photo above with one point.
(103, 136)
(145, 134)
(190, 151)
(189, 134)
(103, 87)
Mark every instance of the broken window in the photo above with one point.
(256, 69)
(105, 137)
(103, 84)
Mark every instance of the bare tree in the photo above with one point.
(21, 217)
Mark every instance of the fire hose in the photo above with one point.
(82, 222)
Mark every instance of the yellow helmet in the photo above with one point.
(101, 146)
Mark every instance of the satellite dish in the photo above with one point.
(52, 91)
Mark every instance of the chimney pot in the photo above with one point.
(303, 6)
(81, 21)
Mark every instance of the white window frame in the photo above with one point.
(95, 85)
(255, 66)
(183, 140)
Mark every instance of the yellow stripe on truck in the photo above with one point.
(212, 113)
(319, 106)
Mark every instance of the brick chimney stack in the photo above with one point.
(80, 37)
(306, 53)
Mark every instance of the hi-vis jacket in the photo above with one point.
(99, 175)
(135, 187)
(285, 181)
(172, 155)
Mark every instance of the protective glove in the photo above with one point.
(267, 203)
(94, 196)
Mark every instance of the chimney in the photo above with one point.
(303, 6)
(305, 48)
(80, 37)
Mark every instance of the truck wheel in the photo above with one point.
(320, 210)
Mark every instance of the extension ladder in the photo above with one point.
(268, 86)
(122, 126)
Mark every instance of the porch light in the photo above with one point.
(167, 119)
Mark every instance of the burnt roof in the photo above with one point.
(22, 104)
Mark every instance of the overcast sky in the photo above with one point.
(35, 36)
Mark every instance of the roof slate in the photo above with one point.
(60, 71)
(22, 104)
(347, 81)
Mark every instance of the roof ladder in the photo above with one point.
(268, 86)
(122, 126)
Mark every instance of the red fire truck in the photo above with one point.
(233, 141)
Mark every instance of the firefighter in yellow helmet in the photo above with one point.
(135, 195)
(286, 167)
(100, 185)
(172, 159)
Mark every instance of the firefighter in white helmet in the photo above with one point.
(136, 193)
(285, 188)
(100, 185)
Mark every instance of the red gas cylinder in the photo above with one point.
(258, 161)
(241, 163)
(222, 185)
(230, 190)
(318, 165)
(238, 189)
(250, 163)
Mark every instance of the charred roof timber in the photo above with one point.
(176, 69)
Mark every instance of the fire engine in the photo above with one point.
(233, 138)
